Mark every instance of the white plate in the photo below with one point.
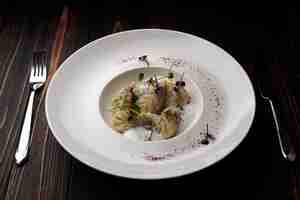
(223, 99)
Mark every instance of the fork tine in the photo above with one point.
(35, 64)
(40, 64)
(33, 68)
(38, 68)
(43, 64)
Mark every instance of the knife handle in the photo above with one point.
(285, 144)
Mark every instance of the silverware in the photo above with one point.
(286, 147)
(37, 79)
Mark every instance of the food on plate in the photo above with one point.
(155, 103)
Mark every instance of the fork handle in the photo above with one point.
(286, 147)
(23, 146)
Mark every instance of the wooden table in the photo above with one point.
(255, 170)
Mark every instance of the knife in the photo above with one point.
(286, 147)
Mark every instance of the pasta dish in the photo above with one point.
(155, 103)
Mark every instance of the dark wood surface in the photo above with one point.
(255, 170)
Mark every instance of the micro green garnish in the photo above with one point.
(141, 76)
(135, 108)
(150, 81)
(207, 137)
(170, 73)
(156, 80)
(181, 77)
(205, 140)
(180, 82)
(175, 89)
(144, 59)
(134, 98)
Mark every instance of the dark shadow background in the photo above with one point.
(255, 170)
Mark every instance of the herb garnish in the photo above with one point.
(141, 76)
(135, 108)
(156, 80)
(176, 89)
(150, 81)
(170, 75)
(207, 137)
(134, 98)
(144, 59)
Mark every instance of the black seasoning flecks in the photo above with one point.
(214, 102)
(158, 157)
(197, 143)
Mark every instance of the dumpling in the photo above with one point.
(149, 103)
(183, 97)
(180, 97)
(154, 104)
(120, 121)
(148, 119)
(142, 88)
(169, 122)
(150, 98)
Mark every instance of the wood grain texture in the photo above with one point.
(45, 175)
(255, 170)
(13, 95)
(4, 112)
(10, 40)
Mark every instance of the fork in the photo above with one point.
(37, 79)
